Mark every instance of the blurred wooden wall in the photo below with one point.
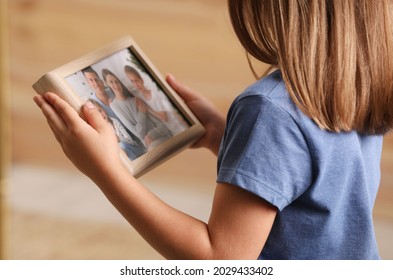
(191, 39)
(4, 130)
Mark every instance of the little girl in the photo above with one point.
(130, 146)
(299, 151)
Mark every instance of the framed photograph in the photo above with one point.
(150, 120)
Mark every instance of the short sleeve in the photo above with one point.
(263, 151)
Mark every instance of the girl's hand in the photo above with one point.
(204, 110)
(91, 145)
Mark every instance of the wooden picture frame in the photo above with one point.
(163, 124)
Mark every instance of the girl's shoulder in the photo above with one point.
(266, 85)
(270, 91)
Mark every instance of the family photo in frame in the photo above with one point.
(149, 120)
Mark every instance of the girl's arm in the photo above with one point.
(239, 223)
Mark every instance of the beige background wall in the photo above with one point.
(4, 130)
(58, 214)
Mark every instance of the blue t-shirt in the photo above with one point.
(323, 184)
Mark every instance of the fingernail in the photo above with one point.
(170, 76)
(89, 105)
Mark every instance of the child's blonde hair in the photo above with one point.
(335, 56)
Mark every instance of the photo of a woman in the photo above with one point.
(135, 114)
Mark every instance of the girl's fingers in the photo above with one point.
(186, 93)
(68, 115)
(57, 136)
(94, 117)
(55, 121)
(62, 118)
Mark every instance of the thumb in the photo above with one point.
(93, 117)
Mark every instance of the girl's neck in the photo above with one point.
(120, 95)
(146, 94)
